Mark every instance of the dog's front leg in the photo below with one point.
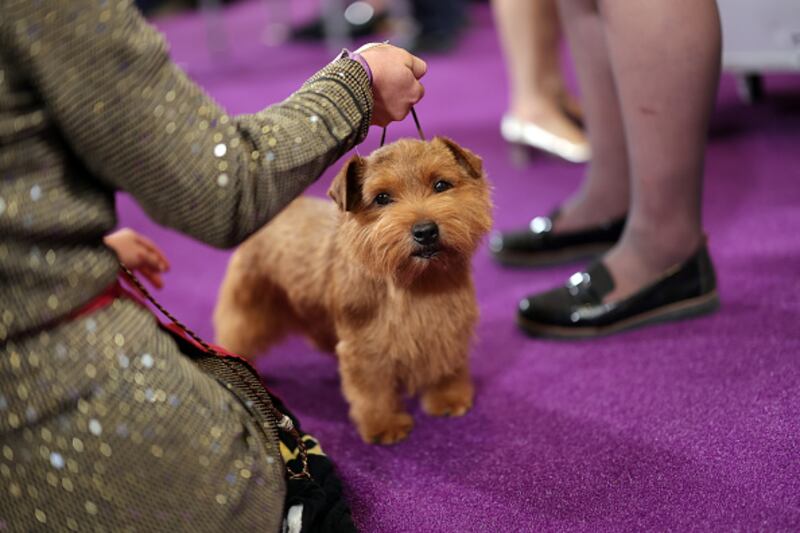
(450, 396)
(369, 385)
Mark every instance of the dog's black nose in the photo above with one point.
(425, 233)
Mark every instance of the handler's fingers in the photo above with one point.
(153, 277)
(418, 66)
(155, 256)
(419, 92)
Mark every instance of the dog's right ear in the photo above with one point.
(346, 187)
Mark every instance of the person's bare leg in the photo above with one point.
(530, 35)
(603, 195)
(666, 59)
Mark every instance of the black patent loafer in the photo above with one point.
(577, 309)
(537, 245)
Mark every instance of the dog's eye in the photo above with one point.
(383, 199)
(442, 185)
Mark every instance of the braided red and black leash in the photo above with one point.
(284, 422)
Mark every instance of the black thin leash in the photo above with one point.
(416, 122)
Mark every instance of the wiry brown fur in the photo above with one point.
(347, 279)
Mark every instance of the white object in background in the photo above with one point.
(518, 131)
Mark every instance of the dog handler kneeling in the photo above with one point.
(104, 421)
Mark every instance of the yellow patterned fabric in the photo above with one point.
(103, 423)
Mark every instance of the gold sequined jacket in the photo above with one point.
(103, 423)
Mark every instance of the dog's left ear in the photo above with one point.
(345, 189)
(470, 162)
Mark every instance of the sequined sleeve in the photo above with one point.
(139, 124)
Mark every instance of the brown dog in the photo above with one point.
(384, 281)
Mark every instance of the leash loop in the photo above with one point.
(416, 123)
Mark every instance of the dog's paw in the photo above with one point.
(390, 430)
(447, 404)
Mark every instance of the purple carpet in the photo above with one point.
(684, 426)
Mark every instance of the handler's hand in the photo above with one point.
(139, 253)
(395, 81)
